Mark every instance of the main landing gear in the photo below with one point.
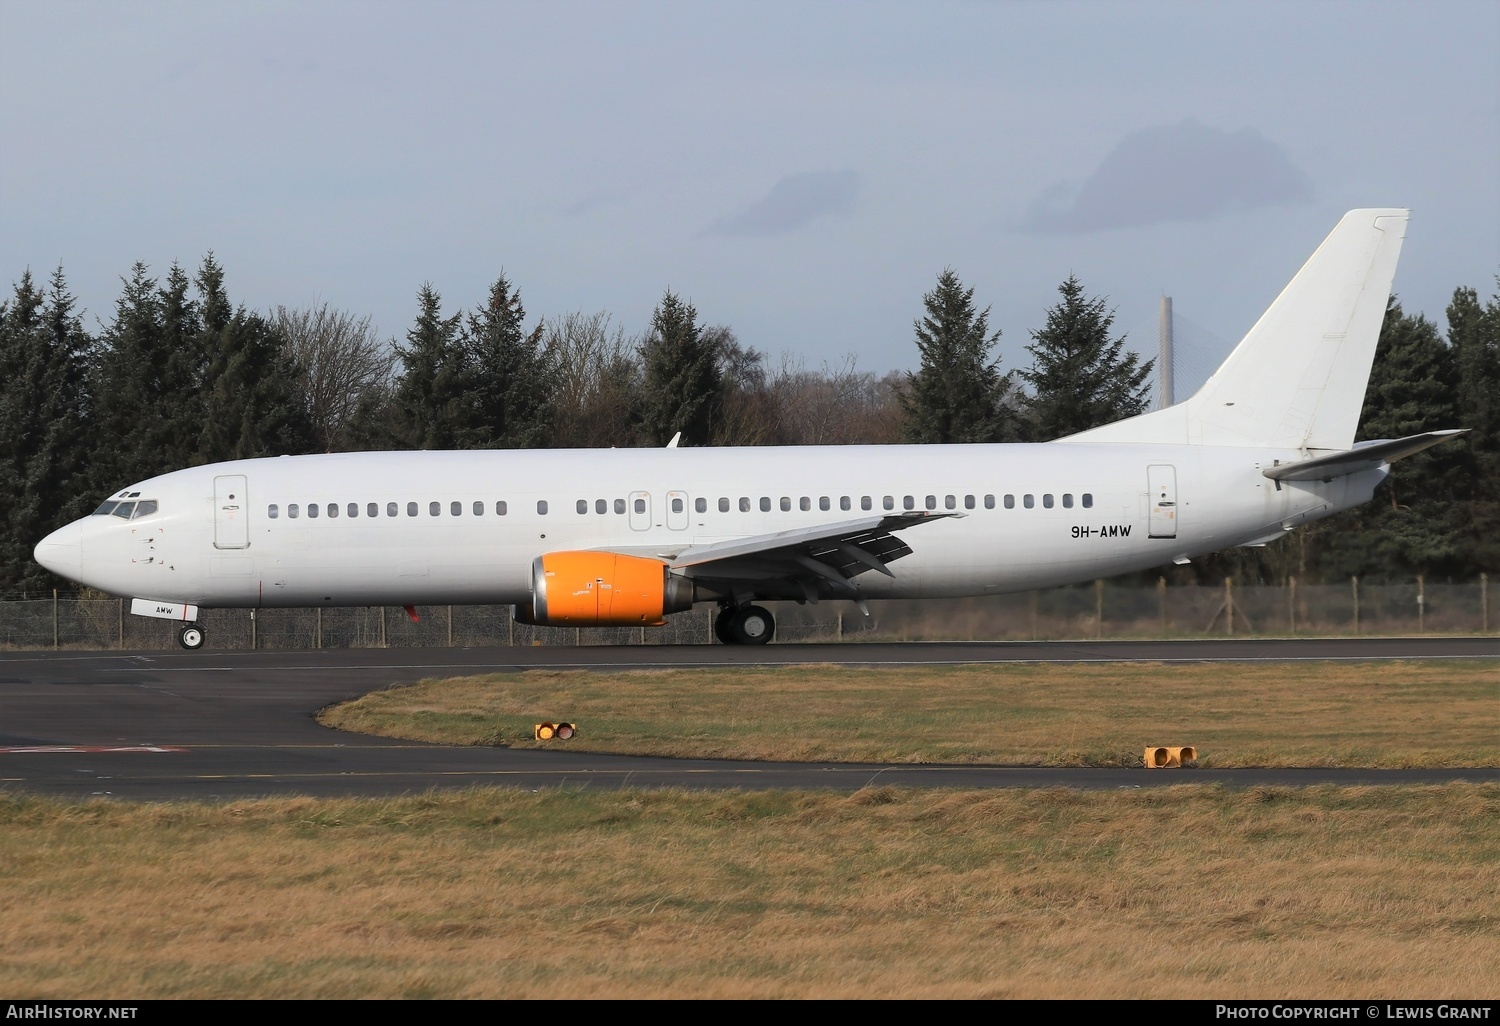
(744, 625)
(190, 637)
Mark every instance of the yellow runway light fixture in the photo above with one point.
(554, 731)
(1167, 756)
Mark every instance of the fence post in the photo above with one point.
(450, 626)
(1098, 607)
(54, 619)
(382, 627)
(320, 627)
(254, 631)
(841, 626)
(1033, 615)
(510, 632)
(1161, 603)
(120, 617)
(1421, 606)
(1484, 603)
(1354, 588)
(1291, 603)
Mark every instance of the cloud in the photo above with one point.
(793, 202)
(1182, 172)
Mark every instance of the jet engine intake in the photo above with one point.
(603, 589)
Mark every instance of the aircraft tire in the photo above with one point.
(752, 625)
(191, 637)
(722, 628)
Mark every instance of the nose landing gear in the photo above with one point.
(191, 637)
(744, 625)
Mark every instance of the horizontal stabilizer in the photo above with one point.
(1364, 456)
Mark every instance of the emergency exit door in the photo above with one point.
(1161, 481)
(231, 512)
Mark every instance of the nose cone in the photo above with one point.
(62, 551)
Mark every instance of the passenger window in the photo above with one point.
(501, 507)
(273, 511)
(292, 511)
(844, 502)
(144, 508)
(124, 510)
(744, 504)
(765, 504)
(950, 502)
(908, 502)
(932, 502)
(640, 505)
(391, 509)
(456, 508)
(478, 508)
(411, 509)
(1028, 501)
(700, 504)
(989, 502)
(541, 507)
(353, 509)
(1088, 500)
(333, 510)
(582, 506)
(1047, 500)
(619, 505)
(1010, 502)
(434, 509)
(889, 502)
(865, 502)
(1067, 500)
(968, 502)
(786, 503)
(804, 504)
(312, 511)
(823, 502)
(601, 506)
(372, 509)
(724, 504)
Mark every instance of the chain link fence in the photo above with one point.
(1100, 610)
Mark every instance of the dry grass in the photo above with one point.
(1182, 892)
(1382, 714)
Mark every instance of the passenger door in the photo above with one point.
(231, 512)
(1161, 482)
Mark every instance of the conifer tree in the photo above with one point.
(683, 386)
(510, 376)
(959, 394)
(1474, 335)
(427, 395)
(1080, 377)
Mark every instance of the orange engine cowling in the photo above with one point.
(587, 589)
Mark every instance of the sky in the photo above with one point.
(800, 172)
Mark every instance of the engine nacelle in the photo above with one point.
(589, 589)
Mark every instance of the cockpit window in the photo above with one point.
(124, 510)
(106, 509)
(144, 508)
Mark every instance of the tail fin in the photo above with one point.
(1297, 379)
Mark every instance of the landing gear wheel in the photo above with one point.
(190, 637)
(722, 629)
(752, 625)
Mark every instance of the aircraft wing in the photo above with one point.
(1364, 456)
(814, 561)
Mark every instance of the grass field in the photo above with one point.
(1391, 714)
(1179, 892)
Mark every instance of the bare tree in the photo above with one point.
(598, 378)
(839, 405)
(344, 363)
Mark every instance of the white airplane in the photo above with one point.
(626, 536)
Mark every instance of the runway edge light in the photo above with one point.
(1168, 756)
(554, 731)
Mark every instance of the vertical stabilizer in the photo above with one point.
(1297, 379)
